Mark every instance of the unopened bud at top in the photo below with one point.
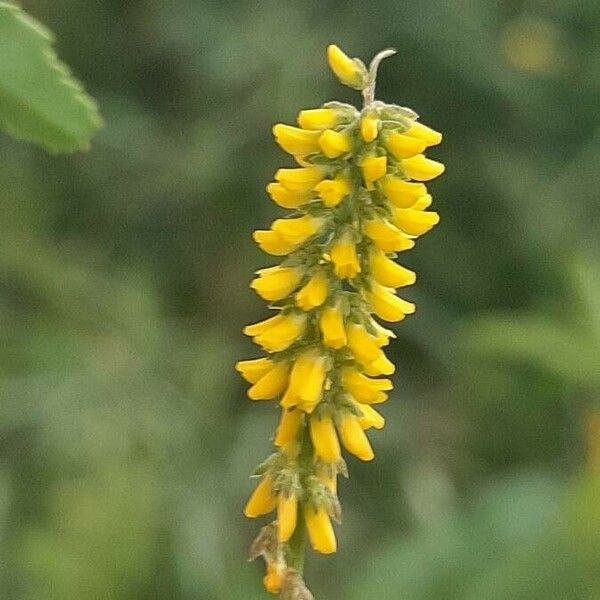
(350, 71)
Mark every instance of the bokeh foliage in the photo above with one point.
(125, 437)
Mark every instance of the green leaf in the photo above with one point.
(39, 99)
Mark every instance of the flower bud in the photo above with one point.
(354, 438)
(333, 191)
(335, 143)
(422, 169)
(263, 500)
(350, 71)
(320, 530)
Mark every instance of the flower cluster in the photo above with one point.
(358, 199)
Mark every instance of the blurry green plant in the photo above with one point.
(39, 99)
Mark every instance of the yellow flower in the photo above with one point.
(370, 418)
(296, 141)
(354, 439)
(382, 335)
(428, 135)
(373, 168)
(277, 333)
(333, 191)
(350, 72)
(346, 264)
(298, 230)
(363, 345)
(404, 146)
(272, 383)
(401, 193)
(276, 283)
(320, 530)
(324, 438)
(387, 305)
(423, 202)
(318, 118)
(306, 381)
(286, 198)
(253, 370)
(382, 365)
(422, 169)
(273, 579)
(263, 500)
(287, 509)
(389, 273)
(364, 389)
(415, 222)
(369, 127)
(367, 351)
(386, 236)
(273, 243)
(303, 179)
(335, 143)
(331, 325)
(289, 426)
(314, 293)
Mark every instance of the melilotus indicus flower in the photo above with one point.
(357, 200)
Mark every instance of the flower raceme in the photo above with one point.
(358, 199)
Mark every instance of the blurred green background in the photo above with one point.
(126, 440)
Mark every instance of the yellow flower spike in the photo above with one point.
(349, 71)
(253, 370)
(354, 439)
(287, 199)
(423, 202)
(272, 383)
(364, 389)
(273, 243)
(415, 222)
(276, 283)
(331, 324)
(302, 179)
(314, 293)
(346, 264)
(273, 579)
(369, 126)
(357, 199)
(320, 529)
(289, 426)
(386, 236)
(297, 231)
(306, 381)
(422, 169)
(318, 118)
(370, 418)
(430, 136)
(335, 143)
(389, 273)
(333, 191)
(263, 500)
(324, 438)
(387, 305)
(402, 194)
(373, 168)
(295, 141)
(404, 146)
(287, 510)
